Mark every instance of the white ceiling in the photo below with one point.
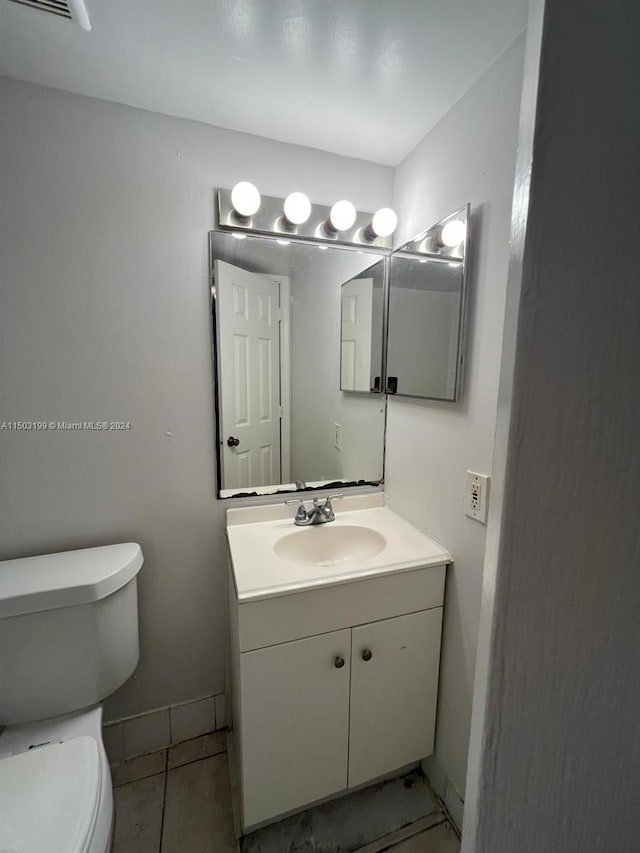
(365, 78)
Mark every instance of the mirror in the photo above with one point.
(284, 422)
(361, 331)
(427, 289)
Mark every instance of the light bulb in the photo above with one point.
(297, 208)
(453, 233)
(384, 222)
(342, 216)
(245, 199)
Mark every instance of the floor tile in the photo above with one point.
(138, 808)
(139, 768)
(199, 747)
(349, 822)
(440, 839)
(197, 815)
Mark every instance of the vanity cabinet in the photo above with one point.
(313, 716)
(394, 684)
(295, 723)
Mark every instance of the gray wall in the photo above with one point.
(104, 315)
(468, 157)
(555, 752)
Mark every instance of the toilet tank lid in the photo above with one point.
(51, 581)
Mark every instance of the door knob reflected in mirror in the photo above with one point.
(367, 654)
(233, 442)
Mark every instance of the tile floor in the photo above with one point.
(178, 801)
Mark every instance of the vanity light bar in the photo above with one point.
(244, 210)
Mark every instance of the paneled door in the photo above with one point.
(357, 318)
(394, 687)
(295, 723)
(248, 328)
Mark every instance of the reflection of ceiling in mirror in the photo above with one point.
(435, 276)
(267, 255)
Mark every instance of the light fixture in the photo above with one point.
(453, 233)
(297, 217)
(297, 208)
(384, 222)
(342, 216)
(245, 199)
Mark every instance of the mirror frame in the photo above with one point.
(424, 246)
(277, 489)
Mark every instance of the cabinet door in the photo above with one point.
(295, 723)
(394, 686)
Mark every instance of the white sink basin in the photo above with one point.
(326, 545)
(272, 557)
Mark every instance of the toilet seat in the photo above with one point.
(49, 798)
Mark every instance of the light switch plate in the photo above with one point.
(337, 436)
(476, 496)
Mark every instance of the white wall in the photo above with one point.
(555, 759)
(318, 402)
(468, 157)
(104, 314)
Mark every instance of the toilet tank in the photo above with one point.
(68, 630)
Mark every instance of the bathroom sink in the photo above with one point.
(271, 557)
(326, 545)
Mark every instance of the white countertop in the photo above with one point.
(260, 573)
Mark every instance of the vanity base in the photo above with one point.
(334, 684)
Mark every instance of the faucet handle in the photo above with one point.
(301, 512)
(327, 504)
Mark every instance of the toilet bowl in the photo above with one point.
(69, 638)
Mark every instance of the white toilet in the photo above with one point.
(68, 639)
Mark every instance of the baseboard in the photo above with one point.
(443, 787)
(163, 727)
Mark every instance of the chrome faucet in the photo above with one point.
(318, 514)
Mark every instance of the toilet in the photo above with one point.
(68, 639)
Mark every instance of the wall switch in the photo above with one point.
(476, 496)
(337, 436)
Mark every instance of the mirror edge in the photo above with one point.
(265, 492)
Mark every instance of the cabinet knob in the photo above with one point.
(367, 654)
(338, 663)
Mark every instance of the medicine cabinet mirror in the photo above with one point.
(298, 328)
(427, 290)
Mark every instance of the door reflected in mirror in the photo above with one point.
(282, 414)
(427, 288)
